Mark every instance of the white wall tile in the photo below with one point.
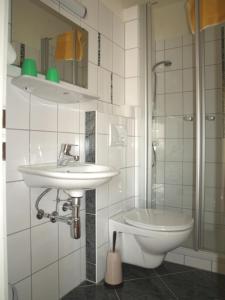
(212, 33)
(102, 123)
(118, 60)
(44, 239)
(132, 61)
(174, 150)
(106, 53)
(118, 90)
(212, 53)
(43, 115)
(187, 39)
(18, 206)
(174, 104)
(173, 173)
(213, 101)
(19, 140)
(159, 105)
(173, 81)
(93, 78)
(93, 44)
(188, 196)
(175, 258)
(105, 21)
(173, 43)
(45, 284)
(188, 173)
(68, 118)
(43, 147)
(102, 150)
(132, 91)
(102, 196)
(189, 102)
(132, 35)
(18, 107)
(118, 31)
(102, 226)
(101, 261)
(83, 264)
(189, 150)
(130, 151)
(188, 80)
(66, 243)
(159, 45)
(213, 77)
(197, 263)
(104, 83)
(117, 188)
(19, 257)
(130, 182)
(188, 59)
(24, 289)
(173, 195)
(174, 127)
(131, 13)
(69, 273)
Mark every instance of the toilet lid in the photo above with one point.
(158, 220)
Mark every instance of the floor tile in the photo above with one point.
(92, 292)
(86, 283)
(144, 289)
(170, 268)
(197, 285)
(134, 272)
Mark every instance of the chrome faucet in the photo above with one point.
(68, 153)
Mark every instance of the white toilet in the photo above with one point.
(146, 235)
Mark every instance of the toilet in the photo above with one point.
(145, 236)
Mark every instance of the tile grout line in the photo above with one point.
(163, 282)
(115, 291)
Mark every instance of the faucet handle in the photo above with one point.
(70, 150)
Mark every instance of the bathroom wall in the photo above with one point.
(44, 262)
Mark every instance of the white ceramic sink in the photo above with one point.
(73, 178)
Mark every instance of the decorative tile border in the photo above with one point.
(90, 126)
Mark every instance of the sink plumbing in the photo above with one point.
(71, 204)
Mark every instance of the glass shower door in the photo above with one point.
(213, 205)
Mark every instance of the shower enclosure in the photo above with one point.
(186, 128)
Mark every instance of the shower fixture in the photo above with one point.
(166, 63)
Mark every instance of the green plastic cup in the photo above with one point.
(52, 75)
(29, 67)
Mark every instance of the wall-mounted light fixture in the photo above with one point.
(75, 7)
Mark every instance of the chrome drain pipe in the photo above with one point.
(75, 225)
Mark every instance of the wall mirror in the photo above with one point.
(42, 33)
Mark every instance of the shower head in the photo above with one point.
(166, 63)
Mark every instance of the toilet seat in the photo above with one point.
(158, 220)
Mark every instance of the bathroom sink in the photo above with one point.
(73, 178)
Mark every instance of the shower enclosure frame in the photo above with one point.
(200, 122)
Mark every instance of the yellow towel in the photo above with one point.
(212, 12)
(69, 46)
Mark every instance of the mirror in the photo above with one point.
(41, 33)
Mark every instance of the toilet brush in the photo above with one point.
(113, 275)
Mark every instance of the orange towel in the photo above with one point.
(212, 12)
(69, 46)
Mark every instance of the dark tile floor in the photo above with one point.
(169, 281)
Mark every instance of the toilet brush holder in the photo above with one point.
(113, 275)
